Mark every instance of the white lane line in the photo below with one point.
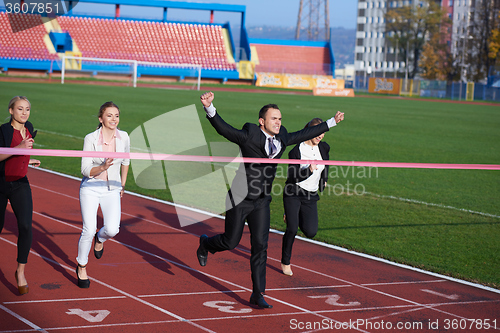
(223, 280)
(453, 297)
(431, 204)
(308, 288)
(20, 318)
(269, 297)
(338, 248)
(249, 316)
(66, 300)
(292, 289)
(196, 293)
(61, 134)
(402, 282)
(382, 196)
(179, 318)
(313, 271)
(214, 292)
(381, 292)
(385, 261)
(331, 311)
(124, 213)
(70, 328)
(179, 265)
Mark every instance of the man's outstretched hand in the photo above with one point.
(339, 117)
(207, 98)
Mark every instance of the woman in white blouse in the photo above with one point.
(300, 195)
(102, 185)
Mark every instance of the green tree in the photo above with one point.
(411, 26)
(481, 34)
(435, 60)
(494, 43)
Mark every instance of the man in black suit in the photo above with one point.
(250, 193)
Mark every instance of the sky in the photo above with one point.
(281, 13)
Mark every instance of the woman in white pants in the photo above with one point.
(102, 185)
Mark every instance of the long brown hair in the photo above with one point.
(104, 107)
(314, 122)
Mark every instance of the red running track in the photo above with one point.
(149, 280)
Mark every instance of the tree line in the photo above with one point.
(422, 33)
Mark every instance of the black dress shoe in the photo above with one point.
(97, 254)
(202, 252)
(259, 301)
(82, 283)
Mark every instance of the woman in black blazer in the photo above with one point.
(300, 195)
(14, 185)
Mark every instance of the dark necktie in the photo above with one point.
(272, 148)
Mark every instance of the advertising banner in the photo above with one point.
(269, 80)
(328, 82)
(380, 85)
(333, 92)
(298, 81)
(304, 82)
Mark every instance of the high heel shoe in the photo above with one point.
(82, 283)
(22, 289)
(97, 254)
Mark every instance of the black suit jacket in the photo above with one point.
(296, 174)
(254, 180)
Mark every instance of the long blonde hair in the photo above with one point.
(16, 99)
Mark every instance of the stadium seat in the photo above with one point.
(293, 59)
(154, 41)
(27, 42)
(118, 39)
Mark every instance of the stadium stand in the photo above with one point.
(24, 44)
(32, 42)
(292, 59)
(149, 41)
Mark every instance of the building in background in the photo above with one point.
(374, 54)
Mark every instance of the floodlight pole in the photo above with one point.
(313, 11)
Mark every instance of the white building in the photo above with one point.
(374, 54)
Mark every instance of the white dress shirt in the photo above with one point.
(92, 142)
(307, 152)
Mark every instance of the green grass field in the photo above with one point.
(445, 221)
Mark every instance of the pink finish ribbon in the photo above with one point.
(223, 159)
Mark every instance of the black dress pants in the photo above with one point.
(19, 194)
(257, 214)
(301, 210)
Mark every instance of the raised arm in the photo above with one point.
(229, 132)
(313, 131)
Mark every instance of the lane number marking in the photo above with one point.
(226, 306)
(93, 316)
(334, 300)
